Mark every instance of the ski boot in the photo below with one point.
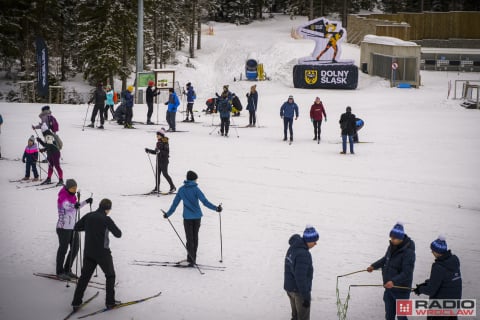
(59, 183)
(46, 181)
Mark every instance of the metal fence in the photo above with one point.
(396, 69)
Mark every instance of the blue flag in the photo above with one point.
(42, 67)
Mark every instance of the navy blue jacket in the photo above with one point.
(128, 99)
(398, 264)
(252, 99)
(224, 107)
(191, 96)
(190, 193)
(298, 268)
(288, 110)
(445, 278)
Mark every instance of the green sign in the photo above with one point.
(144, 77)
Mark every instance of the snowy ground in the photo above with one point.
(419, 167)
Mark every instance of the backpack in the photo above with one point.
(58, 141)
(52, 123)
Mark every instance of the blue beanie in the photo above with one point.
(397, 231)
(439, 245)
(310, 234)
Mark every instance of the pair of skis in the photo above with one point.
(180, 264)
(117, 306)
(151, 193)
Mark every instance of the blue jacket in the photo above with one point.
(173, 102)
(398, 264)
(445, 278)
(128, 99)
(190, 193)
(224, 107)
(298, 268)
(252, 99)
(288, 110)
(191, 96)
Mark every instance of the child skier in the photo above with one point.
(30, 158)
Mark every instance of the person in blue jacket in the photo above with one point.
(288, 110)
(191, 194)
(224, 108)
(445, 278)
(397, 269)
(128, 96)
(191, 96)
(298, 274)
(252, 100)
(172, 105)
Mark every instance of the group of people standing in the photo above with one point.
(397, 266)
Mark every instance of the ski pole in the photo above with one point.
(214, 128)
(85, 119)
(221, 242)
(348, 274)
(151, 164)
(188, 253)
(234, 126)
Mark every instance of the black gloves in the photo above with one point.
(147, 150)
(306, 304)
(39, 140)
(417, 289)
(23, 160)
(166, 103)
(77, 205)
(89, 200)
(219, 208)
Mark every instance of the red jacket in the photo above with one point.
(316, 112)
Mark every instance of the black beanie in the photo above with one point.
(191, 175)
(105, 204)
(45, 108)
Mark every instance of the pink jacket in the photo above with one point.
(66, 209)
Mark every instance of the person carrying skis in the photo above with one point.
(252, 100)
(67, 205)
(224, 108)
(30, 158)
(98, 97)
(128, 96)
(348, 126)
(445, 277)
(288, 110)
(397, 269)
(109, 103)
(152, 91)
(298, 274)
(317, 112)
(172, 105)
(51, 146)
(162, 150)
(97, 226)
(191, 96)
(191, 194)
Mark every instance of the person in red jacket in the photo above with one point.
(317, 112)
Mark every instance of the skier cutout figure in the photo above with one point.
(333, 37)
(191, 195)
(162, 150)
(30, 158)
(97, 226)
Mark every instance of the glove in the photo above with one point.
(219, 208)
(147, 150)
(165, 215)
(247, 95)
(23, 160)
(89, 200)
(77, 205)
(38, 140)
(166, 103)
(417, 289)
(306, 304)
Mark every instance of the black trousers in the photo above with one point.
(89, 264)
(98, 108)
(105, 111)
(317, 128)
(189, 109)
(224, 125)
(192, 226)
(162, 168)
(150, 111)
(252, 117)
(66, 238)
(128, 115)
